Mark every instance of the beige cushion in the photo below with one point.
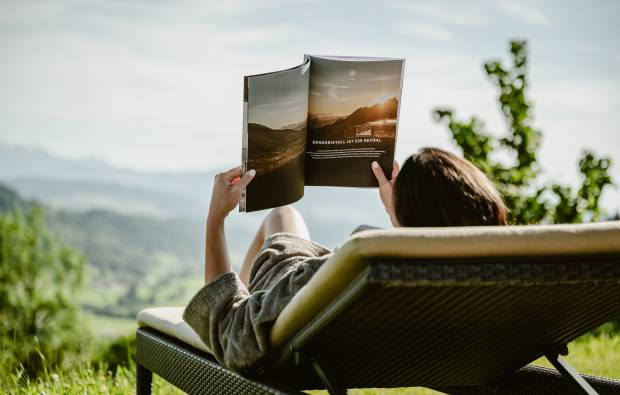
(169, 320)
(349, 260)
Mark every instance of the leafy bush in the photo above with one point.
(529, 200)
(39, 278)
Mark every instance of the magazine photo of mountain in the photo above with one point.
(275, 139)
(352, 119)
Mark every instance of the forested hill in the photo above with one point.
(143, 232)
(10, 200)
(123, 252)
(106, 238)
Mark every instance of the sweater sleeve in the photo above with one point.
(235, 323)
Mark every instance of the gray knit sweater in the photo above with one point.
(235, 321)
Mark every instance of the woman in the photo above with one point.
(233, 314)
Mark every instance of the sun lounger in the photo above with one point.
(461, 310)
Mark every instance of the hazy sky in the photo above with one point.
(158, 85)
(340, 87)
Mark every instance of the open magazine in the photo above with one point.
(321, 123)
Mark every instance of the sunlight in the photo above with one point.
(379, 99)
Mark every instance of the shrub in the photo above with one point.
(39, 278)
(529, 199)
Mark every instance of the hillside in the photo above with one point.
(126, 255)
(268, 146)
(10, 201)
(68, 185)
(345, 126)
(142, 233)
(316, 121)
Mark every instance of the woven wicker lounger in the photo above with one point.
(462, 310)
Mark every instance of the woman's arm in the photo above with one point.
(227, 189)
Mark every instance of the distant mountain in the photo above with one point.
(345, 126)
(257, 127)
(31, 162)
(79, 195)
(89, 184)
(319, 120)
(66, 185)
(295, 126)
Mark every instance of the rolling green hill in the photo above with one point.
(132, 260)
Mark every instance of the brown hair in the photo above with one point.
(437, 188)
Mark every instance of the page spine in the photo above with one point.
(400, 98)
(244, 143)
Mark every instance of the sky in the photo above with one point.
(340, 87)
(158, 85)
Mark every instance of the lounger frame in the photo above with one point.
(530, 307)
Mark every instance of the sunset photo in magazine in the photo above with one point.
(352, 119)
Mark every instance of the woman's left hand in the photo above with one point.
(227, 189)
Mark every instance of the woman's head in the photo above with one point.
(437, 188)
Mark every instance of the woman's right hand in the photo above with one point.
(386, 188)
(227, 189)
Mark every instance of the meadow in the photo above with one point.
(596, 353)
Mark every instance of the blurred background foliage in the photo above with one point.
(512, 160)
(39, 279)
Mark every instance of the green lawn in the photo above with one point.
(593, 354)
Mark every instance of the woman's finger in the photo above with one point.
(379, 173)
(232, 173)
(245, 179)
(395, 170)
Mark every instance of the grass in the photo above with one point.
(84, 380)
(592, 354)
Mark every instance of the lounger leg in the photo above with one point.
(330, 383)
(570, 373)
(144, 378)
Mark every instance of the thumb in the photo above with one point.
(245, 179)
(395, 170)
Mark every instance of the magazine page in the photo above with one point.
(352, 119)
(274, 137)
